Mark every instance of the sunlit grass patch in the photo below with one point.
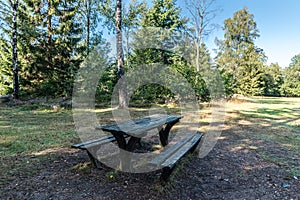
(275, 122)
(83, 167)
(23, 131)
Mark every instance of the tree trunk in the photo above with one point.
(49, 46)
(49, 23)
(197, 56)
(14, 49)
(120, 56)
(88, 9)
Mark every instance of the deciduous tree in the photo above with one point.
(202, 13)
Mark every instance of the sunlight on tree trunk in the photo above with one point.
(120, 56)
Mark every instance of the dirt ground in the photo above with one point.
(229, 171)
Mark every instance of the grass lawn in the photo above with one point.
(271, 126)
(28, 131)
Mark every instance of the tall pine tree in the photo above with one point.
(291, 85)
(9, 21)
(239, 60)
(51, 46)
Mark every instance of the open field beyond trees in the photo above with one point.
(256, 157)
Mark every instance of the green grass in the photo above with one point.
(24, 131)
(275, 121)
(27, 136)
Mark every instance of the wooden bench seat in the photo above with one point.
(167, 159)
(92, 146)
(96, 142)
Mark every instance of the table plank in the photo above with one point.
(140, 126)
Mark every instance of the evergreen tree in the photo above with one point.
(161, 26)
(160, 21)
(89, 15)
(162, 15)
(273, 80)
(9, 21)
(239, 60)
(6, 81)
(291, 85)
(51, 44)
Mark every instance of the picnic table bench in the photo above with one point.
(135, 130)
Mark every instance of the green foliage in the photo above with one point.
(6, 30)
(6, 81)
(251, 74)
(157, 42)
(273, 80)
(48, 46)
(163, 14)
(199, 80)
(106, 84)
(239, 60)
(151, 94)
(291, 85)
(88, 15)
(55, 37)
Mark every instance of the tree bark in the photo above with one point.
(120, 56)
(14, 49)
(197, 56)
(49, 23)
(49, 46)
(88, 10)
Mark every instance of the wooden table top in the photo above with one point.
(139, 126)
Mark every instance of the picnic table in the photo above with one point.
(137, 129)
(128, 134)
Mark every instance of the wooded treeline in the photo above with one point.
(43, 43)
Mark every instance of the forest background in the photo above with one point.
(44, 43)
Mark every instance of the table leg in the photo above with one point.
(164, 133)
(131, 143)
(125, 150)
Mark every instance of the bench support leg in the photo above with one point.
(94, 160)
(166, 172)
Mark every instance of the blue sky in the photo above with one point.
(277, 20)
